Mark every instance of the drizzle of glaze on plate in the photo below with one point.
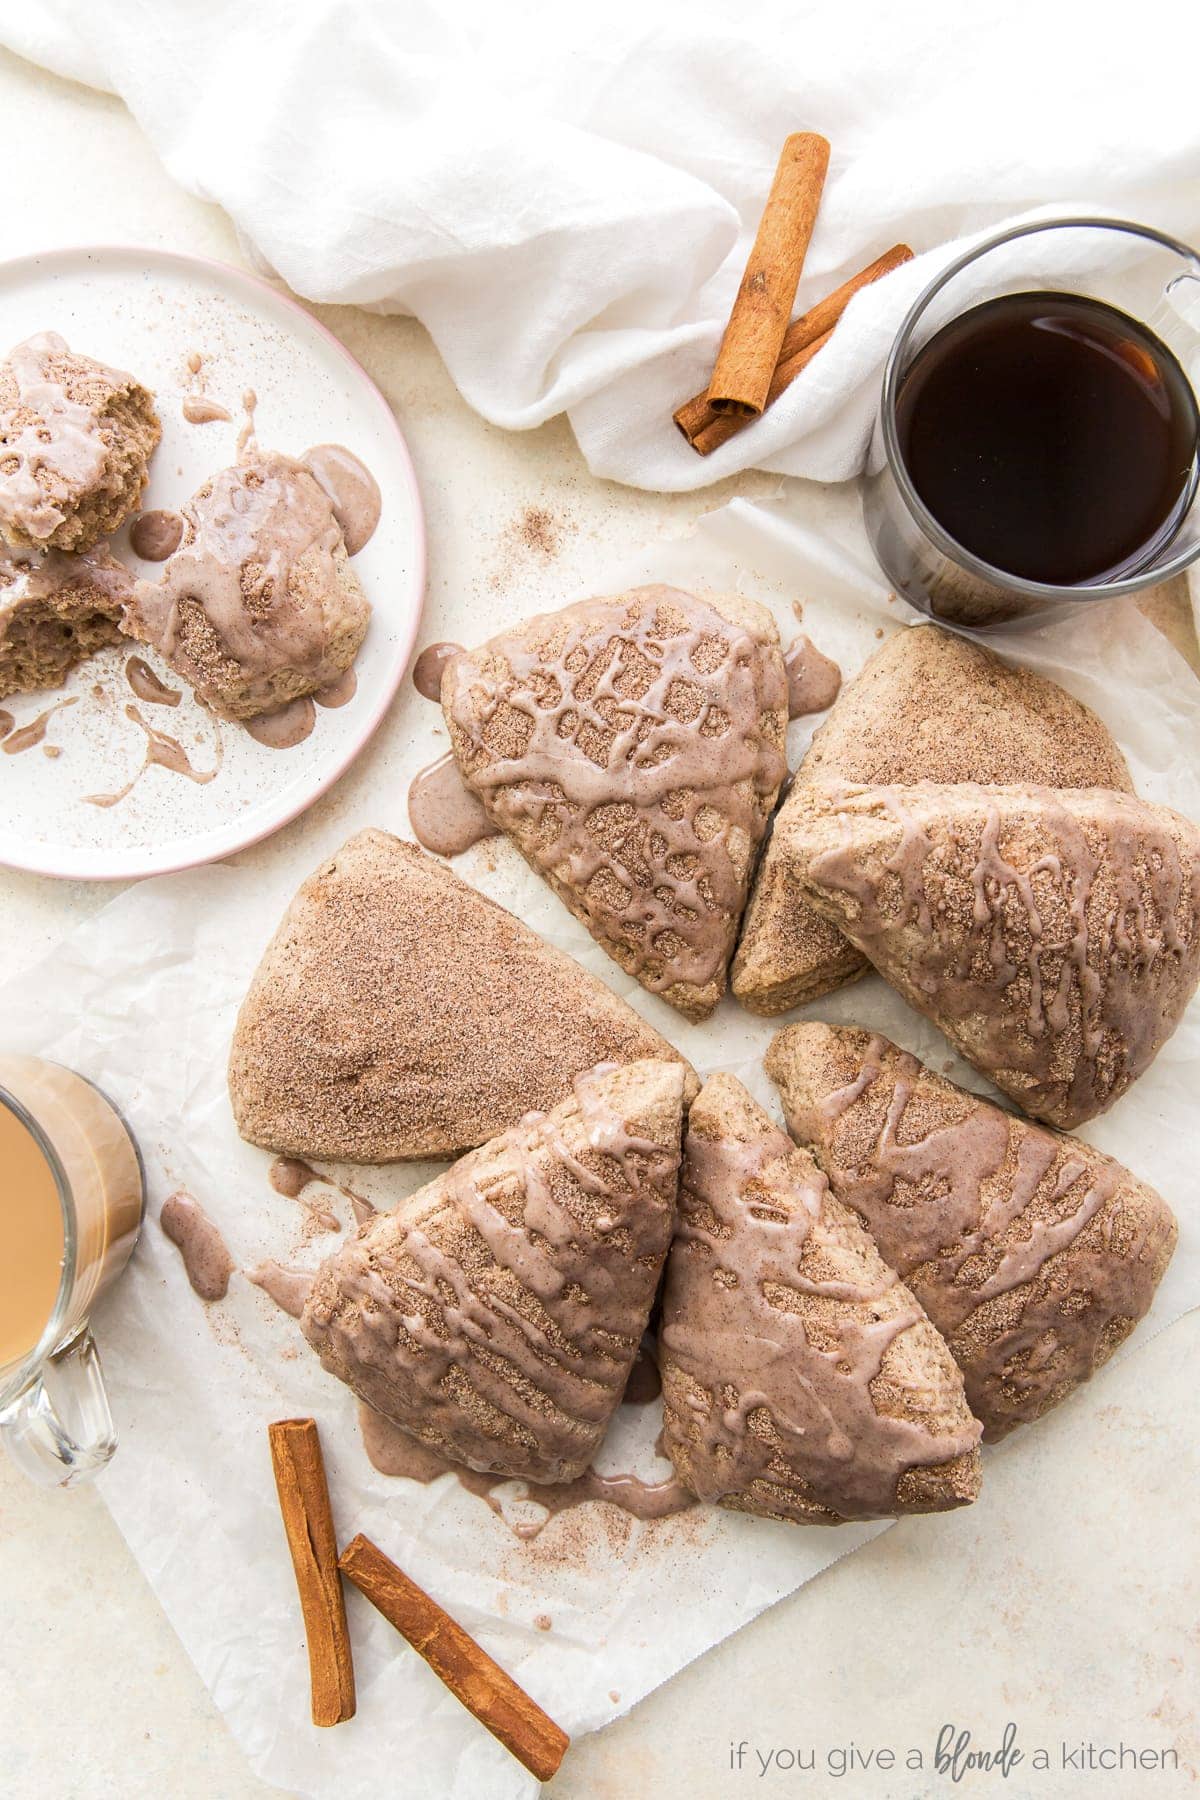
(155, 535)
(25, 737)
(162, 752)
(352, 490)
(147, 686)
(284, 729)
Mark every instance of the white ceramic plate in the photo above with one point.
(148, 311)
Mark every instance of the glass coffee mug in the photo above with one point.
(1147, 282)
(71, 1199)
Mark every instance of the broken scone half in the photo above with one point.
(633, 748)
(801, 1379)
(398, 1013)
(1034, 1254)
(1052, 934)
(55, 610)
(928, 706)
(75, 441)
(496, 1313)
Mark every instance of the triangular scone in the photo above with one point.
(1052, 934)
(633, 748)
(801, 1380)
(496, 1313)
(1034, 1254)
(928, 706)
(399, 1014)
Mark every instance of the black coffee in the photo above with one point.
(1053, 436)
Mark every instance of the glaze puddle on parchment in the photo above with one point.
(814, 680)
(147, 686)
(155, 535)
(6, 723)
(352, 489)
(288, 1288)
(427, 670)
(291, 1177)
(25, 737)
(394, 1452)
(205, 1254)
(444, 814)
(162, 752)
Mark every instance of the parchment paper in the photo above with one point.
(143, 998)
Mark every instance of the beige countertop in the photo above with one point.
(1066, 1601)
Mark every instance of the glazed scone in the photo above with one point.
(928, 706)
(801, 1380)
(55, 610)
(259, 605)
(1053, 934)
(1034, 1254)
(398, 1014)
(633, 749)
(75, 441)
(496, 1313)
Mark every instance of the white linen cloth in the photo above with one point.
(565, 195)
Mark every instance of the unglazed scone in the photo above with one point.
(75, 441)
(397, 1014)
(928, 706)
(1052, 934)
(801, 1379)
(55, 610)
(259, 605)
(633, 749)
(496, 1313)
(1034, 1254)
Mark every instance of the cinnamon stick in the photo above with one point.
(308, 1521)
(696, 418)
(726, 425)
(467, 1670)
(754, 335)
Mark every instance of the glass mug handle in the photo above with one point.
(60, 1429)
(1176, 319)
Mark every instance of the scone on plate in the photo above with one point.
(75, 441)
(259, 605)
(54, 611)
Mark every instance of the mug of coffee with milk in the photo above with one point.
(71, 1199)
